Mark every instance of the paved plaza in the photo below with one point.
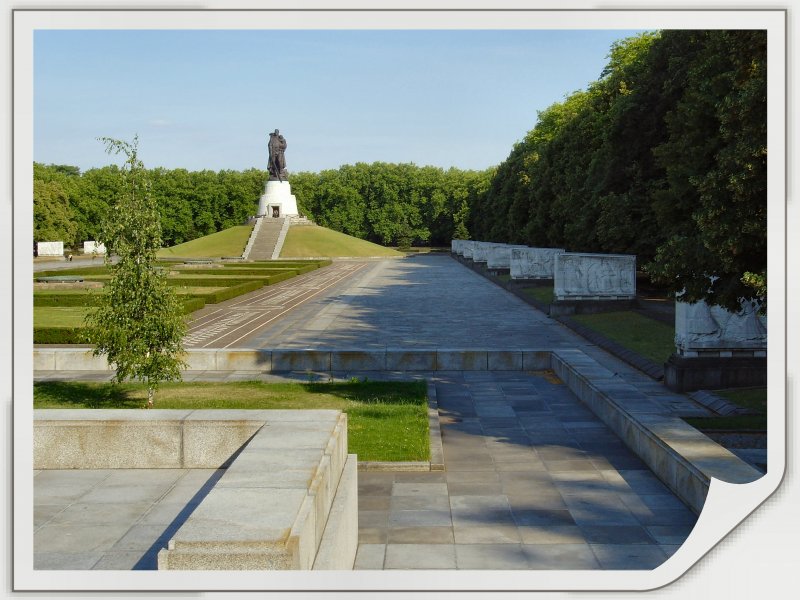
(112, 518)
(532, 480)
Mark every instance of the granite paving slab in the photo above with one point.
(557, 490)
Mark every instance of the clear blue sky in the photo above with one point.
(208, 99)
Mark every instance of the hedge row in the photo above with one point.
(235, 273)
(75, 335)
(203, 281)
(191, 302)
(58, 335)
(279, 264)
(66, 299)
(229, 292)
(98, 270)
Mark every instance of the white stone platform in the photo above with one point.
(287, 500)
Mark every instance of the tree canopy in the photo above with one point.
(663, 157)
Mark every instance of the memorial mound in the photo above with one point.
(315, 241)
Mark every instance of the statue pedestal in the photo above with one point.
(277, 200)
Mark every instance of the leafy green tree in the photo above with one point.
(52, 217)
(139, 324)
(713, 206)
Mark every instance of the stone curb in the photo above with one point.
(718, 404)
(645, 365)
(683, 458)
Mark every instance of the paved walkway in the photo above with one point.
(432, 301)
(111, 518)
(532, 480)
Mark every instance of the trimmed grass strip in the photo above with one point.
(387, 421)
(649, 338)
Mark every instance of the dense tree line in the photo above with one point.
(390, 204)
(663, 157)
(70, 205)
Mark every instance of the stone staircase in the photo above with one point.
(265, 246)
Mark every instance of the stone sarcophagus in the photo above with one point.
(50, 249)
(92, 247)
(533, 263)
(499, 257)
(713, 331)
(579, 276)
(467, 247)
(480, 251)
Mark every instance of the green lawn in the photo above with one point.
(59, 316)
(387, 421)
(542, 293)
(753, 398)
(312, 240)
(228, 242)
(649, 338)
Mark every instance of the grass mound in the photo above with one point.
(313, 240)
(228, 242)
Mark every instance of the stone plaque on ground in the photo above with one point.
(579, 276)
(533, 263)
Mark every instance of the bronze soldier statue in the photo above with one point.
(277, 161)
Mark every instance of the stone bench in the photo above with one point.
(287, 500)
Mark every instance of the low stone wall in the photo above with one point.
(287, 500)
(281, 361)
(679, 455)
(129, 439)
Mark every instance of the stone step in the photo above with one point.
(266, 240)
(271, 508)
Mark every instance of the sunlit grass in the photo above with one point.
(59, 316)
(312, 240)
(387, 421)
(647, 337)
(228, 242)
